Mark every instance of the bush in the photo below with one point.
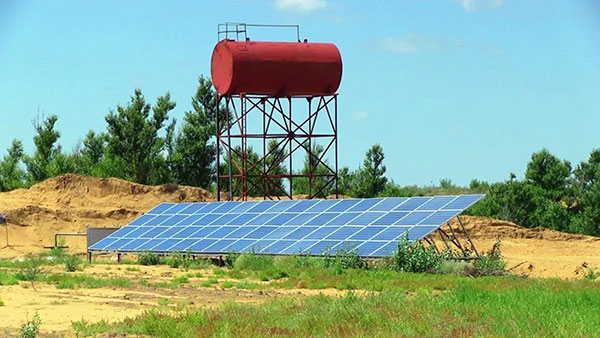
(148, 258)
(490, 264)
(72, 263)
(253, 262)
(31, 328)
(458, 268)
(178, 260)
(416, 257)
(344, 259)
(591, 274)
(31, 269)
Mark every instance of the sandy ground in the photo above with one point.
(58, 308)
(70, 203)
(536, 252)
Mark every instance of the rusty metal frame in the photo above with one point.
(295, 136)
(453, 243)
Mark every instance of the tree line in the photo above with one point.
(143, 144)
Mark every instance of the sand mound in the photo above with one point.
(485, 228)
(70, 203)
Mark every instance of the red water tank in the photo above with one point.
(276, 68)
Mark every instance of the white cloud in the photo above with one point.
(478, 5)
(301, 6)
(359, 116)
(410, 44)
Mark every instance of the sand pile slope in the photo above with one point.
(538, 252)
(70, 203)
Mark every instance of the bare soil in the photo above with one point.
(70, 203)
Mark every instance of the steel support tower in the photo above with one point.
(250, 158)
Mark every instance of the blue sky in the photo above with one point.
(450, 89)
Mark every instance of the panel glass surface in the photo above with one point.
(372, 226)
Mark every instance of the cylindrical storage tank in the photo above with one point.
(276, 68)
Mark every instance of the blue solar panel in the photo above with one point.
(389, 204)
(412, 203)
(142, 219)
(322, 247)
(343, 205)
(344, 233)
(365, 205)
(160, 208)
(372, 226)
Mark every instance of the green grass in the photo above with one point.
(69, 281)
(7, 278)
(228, 285)
(249, 285)
(495, 306)
(209, 282)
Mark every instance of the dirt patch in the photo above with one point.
(70, 203)
(60, 307)
(537, 252)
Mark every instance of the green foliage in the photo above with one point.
(415, 257)
(591, 274)
(12, 175)
(369, 180)
(344, 258)
(587, 221)
(30, 270)
(31, 328)
(148, 258)
(179, 260)
(254, 173)
(318, 186)
(134, 144)
(490, 264)
(7, 278)
(493, 306)
(253, 262)
(458, 268)
(548, 172)
(72, 263)
(192, 153)
(70, 281)
(46, 150)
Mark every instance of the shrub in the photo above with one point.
(591, 274)
(458, 268)
(253, 262)
(178, 260)
(346, 258)
(230, 259)
(148, 258)
(490, 264)
(415, 257)
(31, 328)
(71, 263)
(31, 269)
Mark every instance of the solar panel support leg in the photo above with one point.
(432, 243)
(468, 236)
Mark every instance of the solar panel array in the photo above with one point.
(371, 226)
